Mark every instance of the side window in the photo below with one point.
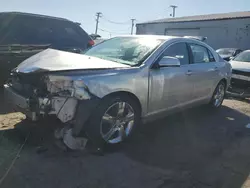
(200, 54)
(178, 50)
(211, 56)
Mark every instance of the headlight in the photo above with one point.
(66, 86)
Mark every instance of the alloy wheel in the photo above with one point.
(117, 122)
(219, 95)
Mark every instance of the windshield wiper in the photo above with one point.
(117, 61)
(113, 59)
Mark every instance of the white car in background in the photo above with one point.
(240, 82)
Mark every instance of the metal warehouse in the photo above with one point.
(227, 30)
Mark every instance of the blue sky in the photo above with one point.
(121, 11)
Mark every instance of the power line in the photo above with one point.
(113, 22)
(113, 32)
(117, 31)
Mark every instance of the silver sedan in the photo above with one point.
(107, 91)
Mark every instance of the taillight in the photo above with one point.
(91, 43)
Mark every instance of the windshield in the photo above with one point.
(225, 51)
(125, 50)
(244, 57)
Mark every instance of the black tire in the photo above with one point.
(94, 124)
(212, 103)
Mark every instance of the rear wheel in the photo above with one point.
(218, 95)
(114, 120)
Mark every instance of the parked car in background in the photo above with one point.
(97, 38)
(227, 53)
(115, 84)
(23, 35)
(201, 38)
(240, 82)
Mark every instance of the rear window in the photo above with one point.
(22, 29)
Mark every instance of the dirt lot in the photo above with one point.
(193, 149)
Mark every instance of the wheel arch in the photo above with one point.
(128, 94)
(83, 114)
(223, 80)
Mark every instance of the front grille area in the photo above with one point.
(241, 72)
(27, 84)
(18, 86)
(239, 83)
(243, 84)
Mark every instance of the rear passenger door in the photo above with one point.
(203, 69)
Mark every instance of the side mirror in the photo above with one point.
(231, 58)
(168, 61)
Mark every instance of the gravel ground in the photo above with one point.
(193, 149)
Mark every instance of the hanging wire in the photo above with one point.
(113, 32)
(116, 31)
(113, 22)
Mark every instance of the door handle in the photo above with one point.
(189, 72)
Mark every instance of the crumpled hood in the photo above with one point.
(241, 66)
(55, 60)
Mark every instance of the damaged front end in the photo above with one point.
(38, 95)
(43, 94)
(63, 95)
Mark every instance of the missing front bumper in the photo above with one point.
(63, 107)
(67, 109)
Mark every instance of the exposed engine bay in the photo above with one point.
(50, 95)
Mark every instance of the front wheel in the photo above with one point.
(218, 95)
(114, 120)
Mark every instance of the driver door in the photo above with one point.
(171, 87)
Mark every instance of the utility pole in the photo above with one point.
(173, 7)
(132, 27)
(98, 15)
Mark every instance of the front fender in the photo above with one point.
(134, 82)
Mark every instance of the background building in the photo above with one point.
(222, 30)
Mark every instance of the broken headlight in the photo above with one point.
(68, 87)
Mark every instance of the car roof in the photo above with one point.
(164, 37)
(43, 24)
(33, 15)
(228, 49)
